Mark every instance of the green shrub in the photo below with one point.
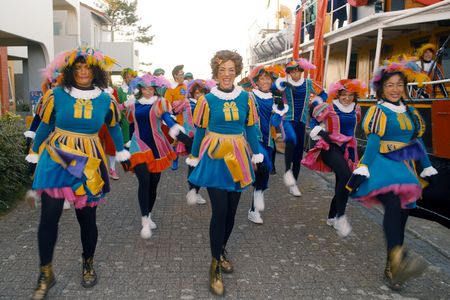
(13, 167)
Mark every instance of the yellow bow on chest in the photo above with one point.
(82, 109)
(231, 111)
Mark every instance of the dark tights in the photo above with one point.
(48, 228)
(224, 205)
(394, 221)
(148, 183)
(334, 158)
(293, 153)
(192, 186)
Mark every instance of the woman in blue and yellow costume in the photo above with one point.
(195, 90)
(297, 92)
(70, 160)
(270, 115)
(226, 121)
(333, 127)
(151, 152)
(386, 173)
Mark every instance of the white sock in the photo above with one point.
(112, 162)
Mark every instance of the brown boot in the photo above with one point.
(388, 277)
(45, 282)
(225, 263)
(405, 266)
(215, 278)
(89, 277)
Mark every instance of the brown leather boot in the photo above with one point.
(215, 278)
(45, 282)
(89, 277)
(225, 263)
(405, 266)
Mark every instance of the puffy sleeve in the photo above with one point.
(251, 128)
(201, 113)
(162, 106)
(46, 109)
(47, 124)
(252, 116)
(374, 125)
(419, 122)
(113, 116)
(374, 122)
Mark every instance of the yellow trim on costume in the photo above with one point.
(82, 109)
(388, 146)
(48, 103)
(115, 113)
(222, 147)
(375, 121)
(422, 124)
(252, 112)
(201, 113)
(404, 122)
(230, 111)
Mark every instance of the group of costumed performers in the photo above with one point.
(126, 121)
(71, 163)
(175, 95)
(270, 115)
(296, 93)
(387, 172)
(333, 128)
(151, 152)
(226, 128)
(195, 90)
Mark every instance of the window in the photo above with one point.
(57, 28)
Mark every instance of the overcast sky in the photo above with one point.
(190, 32)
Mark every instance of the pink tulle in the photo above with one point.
(68, 194)
(408, 193)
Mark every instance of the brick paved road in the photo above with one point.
(294, 255)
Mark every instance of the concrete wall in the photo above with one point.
(124, 52)
(34, 23)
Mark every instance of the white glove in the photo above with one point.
(192, 161)
(122, 155)
(257, 158)
(362, 170)
(32, 158)
(175, 130)
(429, 171)
(314, 133)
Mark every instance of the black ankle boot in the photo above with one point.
(45, 282)
(89, 277)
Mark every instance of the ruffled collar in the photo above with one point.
(125, 87)
(295, 83)
(226, 96)
(395, 108)
(83, 94)
(109, 90)
(262, 95)
(344, 108)
(145, 101)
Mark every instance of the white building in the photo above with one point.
(34, 31)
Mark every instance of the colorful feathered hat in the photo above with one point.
(245, 82)
(92, 57)
(408, 67)
(301, 63)
(350, 85)
(425, 47)
(149, 80)
(207, 85)
(128, 71)
(275, 71)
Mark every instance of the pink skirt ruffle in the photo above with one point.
(408, 193)
(68, 194)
